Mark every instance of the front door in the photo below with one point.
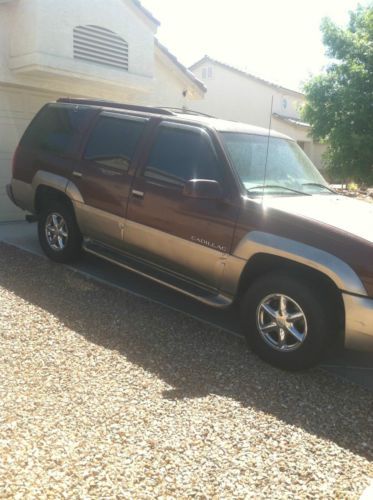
(104, 175)
(187, 236)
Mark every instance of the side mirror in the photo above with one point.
(203, 189)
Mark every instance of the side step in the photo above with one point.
(157, 274)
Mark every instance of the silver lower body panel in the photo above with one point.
(359, 322)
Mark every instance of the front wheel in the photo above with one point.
(286, 321)
(59, 234)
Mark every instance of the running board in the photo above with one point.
(156, 274)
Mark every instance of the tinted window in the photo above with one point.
(55, 127)
(113, 141)
(179, 155)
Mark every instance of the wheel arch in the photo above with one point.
(45, 194)
(262, 263)
(47, 185)
(337, 270)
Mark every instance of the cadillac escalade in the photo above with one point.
(224, 212)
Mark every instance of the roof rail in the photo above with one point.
(185, 111)
(118, 105)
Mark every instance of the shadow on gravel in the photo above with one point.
(193, 359)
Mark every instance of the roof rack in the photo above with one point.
(117, 105)
(185, 111)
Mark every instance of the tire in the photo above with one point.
(62, 244)
(303, 331)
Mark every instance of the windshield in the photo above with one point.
(289, 171)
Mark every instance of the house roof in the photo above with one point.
(209, 59)
(138, 4)
(167, 53)
(292, 121)
(180, 66)
(146, 12)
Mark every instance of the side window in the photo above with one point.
(55, 127)
(182, 154)
(113, 141)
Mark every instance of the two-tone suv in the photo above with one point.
(221, 211)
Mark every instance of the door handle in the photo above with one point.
(77, 174)
(137, 194)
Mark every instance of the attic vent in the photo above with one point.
(100, 45)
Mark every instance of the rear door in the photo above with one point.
(104, 175)
(187, 236)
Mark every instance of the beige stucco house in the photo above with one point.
(83, 48)
(236, 95)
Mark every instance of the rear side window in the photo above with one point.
(181, 154)
(113, 141)
(55, 128)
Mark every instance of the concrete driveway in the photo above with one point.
(357, 367)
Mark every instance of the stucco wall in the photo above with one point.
(316, 151)
(36, 50)
(233, 96)
(46, 27)
(297, 133)
(168, 85)
(36, 47)
(6, 11)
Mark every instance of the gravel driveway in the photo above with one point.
(106, 395)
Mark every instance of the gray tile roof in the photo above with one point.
(291, 120)
(146, 12)
(183, 68)
(207, 58)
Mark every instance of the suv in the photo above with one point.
(221, 211)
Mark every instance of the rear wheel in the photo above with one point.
(59, 234)
(287, 321)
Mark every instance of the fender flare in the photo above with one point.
(58, 182)
(259, 242)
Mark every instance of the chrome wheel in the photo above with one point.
(281, 322)
(56, 232)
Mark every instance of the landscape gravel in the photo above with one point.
(108, 395)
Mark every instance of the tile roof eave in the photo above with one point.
(244, 73)
(145, 11)
(291, 121)
(181, 67)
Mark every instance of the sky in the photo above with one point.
(278, 40)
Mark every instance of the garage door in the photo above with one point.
(17, 108)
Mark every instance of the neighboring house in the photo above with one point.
(79, 48)
(236, 95)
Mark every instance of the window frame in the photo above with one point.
(193, 128)
(114, 115)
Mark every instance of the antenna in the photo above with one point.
(268, 138)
